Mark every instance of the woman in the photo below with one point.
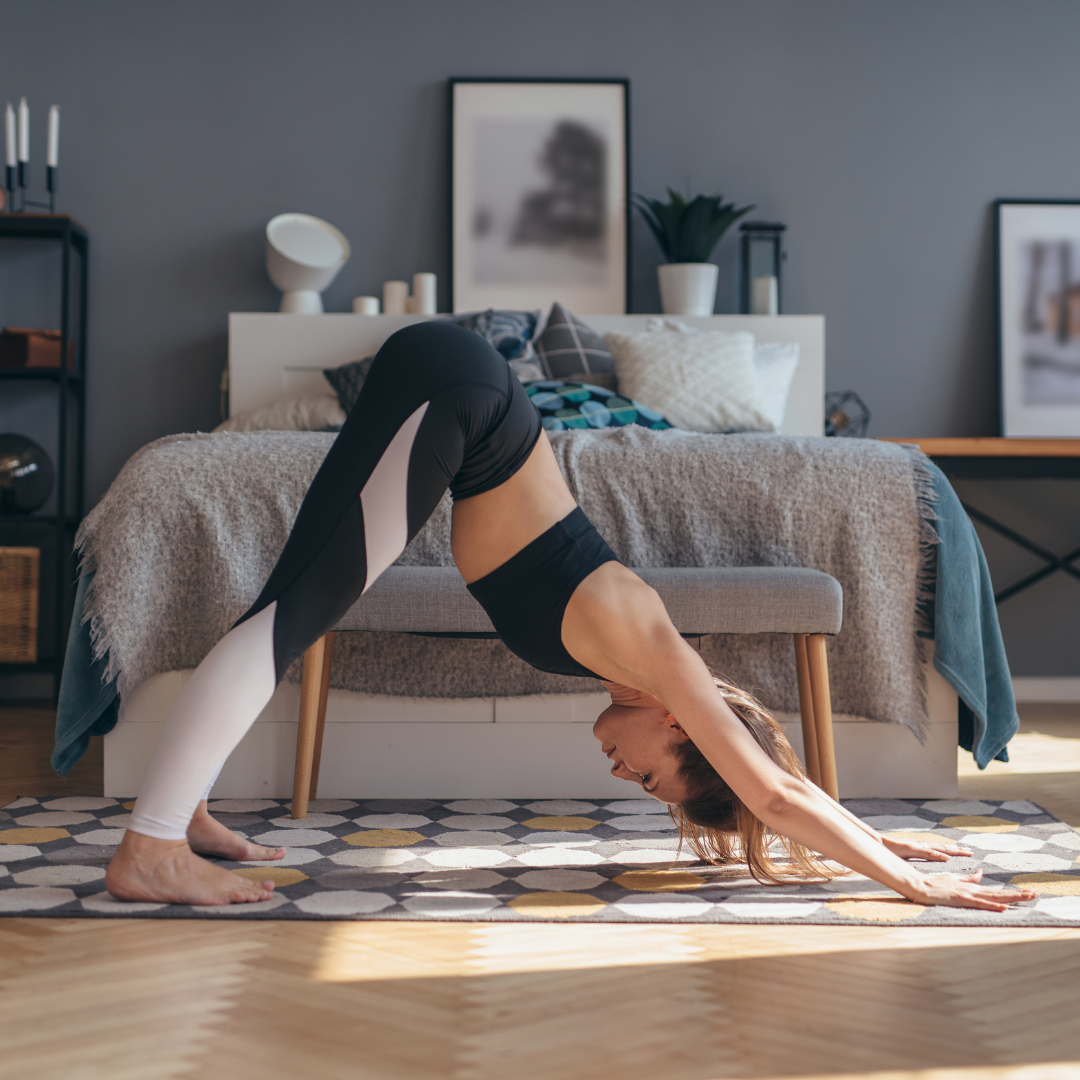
(440, 408)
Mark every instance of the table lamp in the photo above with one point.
(303, 255)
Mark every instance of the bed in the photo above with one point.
(474, 743)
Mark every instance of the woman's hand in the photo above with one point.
(964, 890)
(933, 851)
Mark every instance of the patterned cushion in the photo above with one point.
(511, 332)
(701, 382)
(347, 380)
(567, 346)
(566, 405)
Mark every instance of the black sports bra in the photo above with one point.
(526, 597)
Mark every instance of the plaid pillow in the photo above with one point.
(347, 380)
(567, 405)
(510, 332)
(567, 346)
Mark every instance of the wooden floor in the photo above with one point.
(83, 999)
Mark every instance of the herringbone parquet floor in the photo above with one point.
(143, 1000)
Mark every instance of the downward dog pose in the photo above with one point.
(441, 409)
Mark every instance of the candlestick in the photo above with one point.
(24, 143)
(10, 131)
(24, 131)
(52, 155)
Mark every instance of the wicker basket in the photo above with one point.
(18, 604)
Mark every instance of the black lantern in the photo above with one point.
(762, 274)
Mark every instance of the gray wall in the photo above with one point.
(880, 132)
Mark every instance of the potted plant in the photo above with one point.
(687, 231)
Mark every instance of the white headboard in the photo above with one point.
(271, 355)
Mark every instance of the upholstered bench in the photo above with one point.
(807, 604)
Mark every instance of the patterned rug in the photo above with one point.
(502, 861)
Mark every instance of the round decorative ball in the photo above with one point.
(26, 475)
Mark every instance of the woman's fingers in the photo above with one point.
(931, 851)
(964, 890)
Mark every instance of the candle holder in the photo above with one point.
(769, 234)
(18, 179)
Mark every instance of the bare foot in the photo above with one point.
(168, 870)
(209, 837)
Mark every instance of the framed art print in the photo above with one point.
(1038, 273)
(539, 194)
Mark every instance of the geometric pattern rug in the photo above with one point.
(497, 860)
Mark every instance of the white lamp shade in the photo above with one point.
(303, 255)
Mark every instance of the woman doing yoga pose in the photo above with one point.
(441, 409)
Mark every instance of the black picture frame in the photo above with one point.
(465, 293)
(1038, 364)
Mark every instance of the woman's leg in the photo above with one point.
(379, 483)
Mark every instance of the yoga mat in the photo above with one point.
(502, 860)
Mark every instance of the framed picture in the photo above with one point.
(539, 194)
(1038, 273)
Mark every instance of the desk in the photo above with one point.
(1010, 459)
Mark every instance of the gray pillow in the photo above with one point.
(568, 347)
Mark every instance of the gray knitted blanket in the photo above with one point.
(189, 531)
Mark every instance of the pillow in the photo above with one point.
(776, 362)
(510, 332)
(571, 405)
(567, 346)
(700, 382)
(347, 380)
(312, 412)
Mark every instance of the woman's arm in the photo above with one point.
(617, 626)
(796, 809)
(930, 851)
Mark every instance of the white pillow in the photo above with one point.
(310, 412)
(699, 382)
(776, 362)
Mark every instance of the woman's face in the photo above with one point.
(640, 743)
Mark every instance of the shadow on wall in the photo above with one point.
(976, 350)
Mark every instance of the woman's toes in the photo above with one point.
(253, 892)
(257, 853)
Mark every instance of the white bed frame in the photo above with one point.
(531, 747)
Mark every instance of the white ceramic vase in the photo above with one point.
(688, 288)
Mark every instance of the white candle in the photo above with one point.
(52, 156)
(766, 295)
(365, 305)
(10, 131)
(423, 289)
(24, 131)
(394, 296)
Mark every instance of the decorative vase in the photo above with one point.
(688, 288)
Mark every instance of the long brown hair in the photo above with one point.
(715, 822)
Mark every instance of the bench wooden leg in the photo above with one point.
(806, 711)
(306, 736)
(818, 665)
(320, 727)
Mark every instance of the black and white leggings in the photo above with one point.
(439, 409)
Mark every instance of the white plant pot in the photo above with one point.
(688, 288)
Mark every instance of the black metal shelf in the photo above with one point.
(42, 667)
(45, 227)
(53, 374)
(73, 240)
(68, 521)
